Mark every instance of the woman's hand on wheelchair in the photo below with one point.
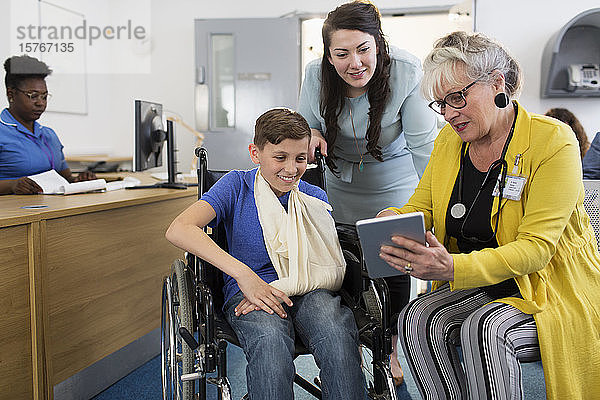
(316, 141)
(260, 296)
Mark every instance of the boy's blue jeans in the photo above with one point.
(326, 328)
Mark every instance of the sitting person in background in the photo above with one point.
(26, 147)
(591, 161)
(283, 266)
(514, 256)
(590, 153)
(566, 116)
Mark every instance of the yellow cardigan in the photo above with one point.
(546, 243)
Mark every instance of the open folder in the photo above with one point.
(52, 182)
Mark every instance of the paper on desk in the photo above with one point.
(52, 182)
(82, 187)
(179, 177)
(128, 181)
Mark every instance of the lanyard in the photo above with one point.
(47, 150)
(459, 210)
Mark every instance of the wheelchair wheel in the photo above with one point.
(177, 311)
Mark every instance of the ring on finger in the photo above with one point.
(407, 268)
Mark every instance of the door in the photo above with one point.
(243, 68)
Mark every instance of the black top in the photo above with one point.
(477, 222)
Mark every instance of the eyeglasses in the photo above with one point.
(35, 96)
(455, 100)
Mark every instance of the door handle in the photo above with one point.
(201, 107)
(200, 75)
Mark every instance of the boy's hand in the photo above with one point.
(262, 296)
(245, 307)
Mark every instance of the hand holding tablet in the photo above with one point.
(376, 232)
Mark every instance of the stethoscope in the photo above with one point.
(47, 151)
(459, 210)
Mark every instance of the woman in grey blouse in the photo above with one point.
(362, 101)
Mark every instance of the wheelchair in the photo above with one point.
(195, 333)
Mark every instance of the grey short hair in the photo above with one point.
(473, 54)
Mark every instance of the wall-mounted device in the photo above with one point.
(583, 77)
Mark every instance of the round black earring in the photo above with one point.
(501, 100)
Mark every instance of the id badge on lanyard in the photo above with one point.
(515, 182)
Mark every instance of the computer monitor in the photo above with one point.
(149, 135)
(149, 138)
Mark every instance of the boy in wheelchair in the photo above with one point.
(283, 266)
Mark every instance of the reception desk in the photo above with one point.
(79, 279)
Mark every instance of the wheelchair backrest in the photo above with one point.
(211, 275)
(315, 174)
(207, 273)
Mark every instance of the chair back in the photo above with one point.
(591, 202)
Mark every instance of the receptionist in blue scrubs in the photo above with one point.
(26, 147)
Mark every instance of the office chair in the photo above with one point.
(195, 333)
(591, 203)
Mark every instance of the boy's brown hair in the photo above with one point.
(278, 124)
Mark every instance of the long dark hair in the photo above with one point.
(362, 16)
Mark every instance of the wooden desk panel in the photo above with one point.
(58, 206)
(15, 332)
(109, 295)
(79, 280)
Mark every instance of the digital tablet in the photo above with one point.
(376, 232)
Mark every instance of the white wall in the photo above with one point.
(524, 27)
(108, 126)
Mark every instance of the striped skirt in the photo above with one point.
(494, 338)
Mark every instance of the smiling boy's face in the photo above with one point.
(283, 164)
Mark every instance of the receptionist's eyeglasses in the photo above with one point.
(455, 100)
(35, 96)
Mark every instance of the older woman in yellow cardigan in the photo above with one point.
(512, 251)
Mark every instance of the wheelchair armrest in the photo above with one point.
(353, 283)
(352, 286)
